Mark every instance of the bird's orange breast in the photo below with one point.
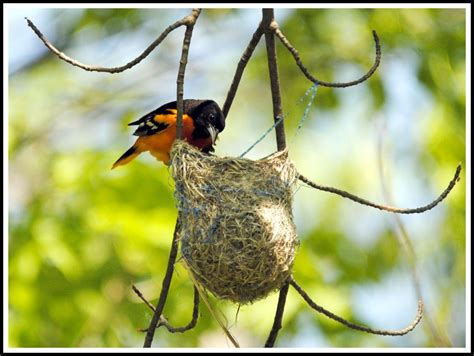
(159, 144)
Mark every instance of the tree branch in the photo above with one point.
(194, 318)
(391, 209)
(164, 288)
(296, 56)
(269, 23)
(190, 21)
(343, 321)
(94, 68)
(164, 322)
(240, 69)
(142, 297)
(278, 316)
(438, 333)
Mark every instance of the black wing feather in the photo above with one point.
(147, 124)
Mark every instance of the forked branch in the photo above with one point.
(391, 209)
(164, 288)
(164, 322)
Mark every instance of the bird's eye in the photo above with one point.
(211, 116)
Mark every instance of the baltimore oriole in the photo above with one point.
(203, 120)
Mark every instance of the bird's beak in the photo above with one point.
(212, 132)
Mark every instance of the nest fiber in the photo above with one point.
(237, 232)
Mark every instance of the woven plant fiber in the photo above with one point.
(237, 232)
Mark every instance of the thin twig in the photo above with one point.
(164, 322)
(439, 335)
(391, 209)
(191, 20)
(296, 56)
(240, 69)
(164, 288)
(278, 316)
(142, 297)
(194, 319)
(94, 68)
(218, 316)
(343, 321)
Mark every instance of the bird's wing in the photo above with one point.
(155, 121)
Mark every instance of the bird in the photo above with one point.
(203, 120)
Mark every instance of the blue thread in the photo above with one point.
(312, 89)
(210, 238)
(280, 119)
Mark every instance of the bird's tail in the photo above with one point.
(131, 153)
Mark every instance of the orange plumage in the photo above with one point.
(203, 120)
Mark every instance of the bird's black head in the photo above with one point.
(209, 120)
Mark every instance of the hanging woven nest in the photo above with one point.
(237, 232)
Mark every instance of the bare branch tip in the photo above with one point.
(420, 307)
(31, 24)
(457, 175)
(294, 52)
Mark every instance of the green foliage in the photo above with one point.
(81, 234)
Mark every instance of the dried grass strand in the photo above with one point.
(239, 239)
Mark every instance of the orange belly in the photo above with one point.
(159, 144)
